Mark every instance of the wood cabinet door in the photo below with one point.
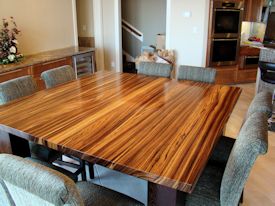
(253, 10)
(15, 74)
(226, 76)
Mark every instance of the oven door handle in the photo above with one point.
(225, 39)
(251, 57)
(234, 10)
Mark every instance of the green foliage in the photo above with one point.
(8, 42)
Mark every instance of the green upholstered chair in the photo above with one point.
(56, 76)
(25, 183)
(21, 87)
(16, 88)
(154, 69)
(262, 103)
(224, 186)
(198, 74)
(52, 78)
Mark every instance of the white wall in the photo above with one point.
(45, 24)
(188, 36)
(109, 37)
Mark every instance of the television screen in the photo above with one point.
(270, 29)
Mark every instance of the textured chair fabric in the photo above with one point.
(199, 74)
(223, 186)
(25, 183)
(262, 102)
(16, 88)
(33, 184)
(251, 142)
(59, 169)
(155, 69)
(58, 76)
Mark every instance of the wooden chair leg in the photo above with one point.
(91, 170)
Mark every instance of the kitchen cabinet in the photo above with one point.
(226, 74)
(248, 64)
(15, 73)
(35, 71)
(253, 10)
(80, 58)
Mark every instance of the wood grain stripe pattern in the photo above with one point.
(156, 129)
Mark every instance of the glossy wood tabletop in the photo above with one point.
(156, 129)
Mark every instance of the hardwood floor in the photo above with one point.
(260, 187)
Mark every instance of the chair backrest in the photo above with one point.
(56, 76)
(262, 102)
(251, 142)
(16, 88)
(25, 183)
(155, 69)
(199, 74)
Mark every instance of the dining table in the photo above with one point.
(157, 129)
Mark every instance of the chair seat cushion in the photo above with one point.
(222, 151)
(59, 169)
(207, 189)
(97, 195)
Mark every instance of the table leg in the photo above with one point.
(159, 195)
(19, 146)
(5, 145)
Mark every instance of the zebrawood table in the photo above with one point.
(156, 129)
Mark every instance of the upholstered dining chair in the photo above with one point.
(59, 75)
(262, 103)
(155, 69)
(25, 183)
(224, 186)
(16, 88)
(21, 87)
(53, 78)
(199, 74)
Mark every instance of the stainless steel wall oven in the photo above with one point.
(225, 34)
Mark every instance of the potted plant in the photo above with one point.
(8, 42)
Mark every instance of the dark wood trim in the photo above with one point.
(5, 145)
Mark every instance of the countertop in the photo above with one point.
(43, 57)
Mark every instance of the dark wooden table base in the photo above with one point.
(159, 195)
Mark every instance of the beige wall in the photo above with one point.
(45, 24)
(108, 15)
(85, 19)
(188, 36)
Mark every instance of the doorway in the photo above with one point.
(143, 29)
(85, 23)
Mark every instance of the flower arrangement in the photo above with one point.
(8, 42)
